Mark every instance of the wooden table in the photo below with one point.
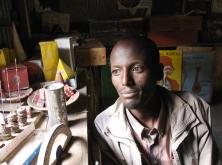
(76, 152)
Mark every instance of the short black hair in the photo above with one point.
(149, 49)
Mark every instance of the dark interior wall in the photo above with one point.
(161, 7)
(78, 9)
(83, 10)
(105, 9)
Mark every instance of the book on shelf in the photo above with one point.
(172, 69)
(197, 74)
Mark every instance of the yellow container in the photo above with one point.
(64, 70)
(50, 58)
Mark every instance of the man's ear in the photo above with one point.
(159, 74)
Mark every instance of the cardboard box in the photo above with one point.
(91, 53)
(14, 77)
(172, 38)
(174, 30)
(66, 52)
(50, 58)
(175, 23)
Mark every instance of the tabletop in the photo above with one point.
(76, 151)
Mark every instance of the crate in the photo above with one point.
(92, 53)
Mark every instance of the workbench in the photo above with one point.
(76, 151)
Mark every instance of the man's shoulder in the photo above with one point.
(106, 114)
(197, 104)
(173, 96)
(191, 98)
(185, 98)
(185, 95)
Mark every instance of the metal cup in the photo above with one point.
(56, 103)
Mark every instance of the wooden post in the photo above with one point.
(56, 103)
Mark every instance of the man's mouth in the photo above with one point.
(129, 94)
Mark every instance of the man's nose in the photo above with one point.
(127, 79)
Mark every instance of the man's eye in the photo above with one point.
(137, 69)
(115, 72)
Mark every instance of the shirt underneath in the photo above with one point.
(155, 141)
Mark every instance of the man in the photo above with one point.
(149, 124)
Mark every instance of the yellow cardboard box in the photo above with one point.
(65, 71)
(91, 53)
(50, 58)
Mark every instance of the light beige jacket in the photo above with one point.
(191, 142)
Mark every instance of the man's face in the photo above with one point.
(131, 76)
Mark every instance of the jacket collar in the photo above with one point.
(117, 126)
